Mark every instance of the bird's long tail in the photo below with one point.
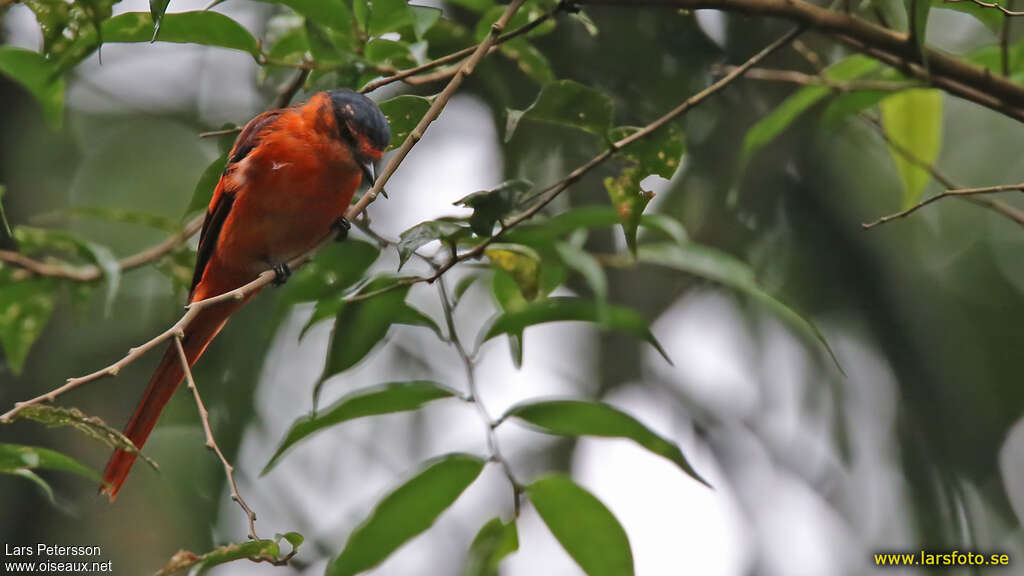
(162, 385)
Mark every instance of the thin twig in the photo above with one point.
(961, 192)
(211, 443)
(289, 90)
(991, 203)
(474, 397)
(992, 5)
(803, 79)
(1004, 42)
(90, 273)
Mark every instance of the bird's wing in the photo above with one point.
(224, 193)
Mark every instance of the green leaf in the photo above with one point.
(385, 16)
(25, 308)
(845, 105)
(583, 526)
(122, 216)
(43, 239)
(529, 60)
(992, 18)
(528, 13)
(426, 17)
(913, 121)
(291, 46)
(376, 400)
(917, 19)
(39, 76)
(333, 14)
(478, 6)
(3, 214)
(335, 269)
(444, 229)
(22, 461)
(203, 192)
(360, 325)
(91, 426)
(566, 309)
(629, 200)
(403, 114)
(492, 544)
(255, 550)
(771, 126)
(658, 153)
(723, 268)
(157, 8)
(463, 285)
(521, 263)
(389, 53)
(199, 27)
(406, 512)
(587, 266)
(566, 103)
(494, 205)
(582, 418)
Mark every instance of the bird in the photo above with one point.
(289, 179)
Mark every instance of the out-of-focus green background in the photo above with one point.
(915, 447)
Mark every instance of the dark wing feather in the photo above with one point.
(224, 198)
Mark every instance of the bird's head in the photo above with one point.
(362, 126)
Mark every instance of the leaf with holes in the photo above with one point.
(91, 426)
(629, 200)
(406, 512)
(403, 114)
(374, 401)
(660, 153)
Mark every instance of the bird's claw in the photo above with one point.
(281, 274)
(341, 228)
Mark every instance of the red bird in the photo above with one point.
(288, 182)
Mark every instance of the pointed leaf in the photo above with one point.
(563, 309)
(660, 153)
(567, 103)
(15, 459)
(374, 401)
(587, 266)
(157, 8)
(25, 308)
(492, 544)
(521, 263)
(199, 27)
(91, 426)
(446, 230)
(583, 526)
(406, 512)
(494, 205)
(629, 200)
(37, 75)
(582, 418)
(913, 121)
(403, 114)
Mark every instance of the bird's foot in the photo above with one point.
(341, 227)
(281, 274)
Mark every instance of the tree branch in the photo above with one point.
(211, 443)
(952, 74)
(992, 5)
(802, 79)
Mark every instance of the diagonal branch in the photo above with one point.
(211, 443)
(992, 5)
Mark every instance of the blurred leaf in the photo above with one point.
(917, 17)
(333, 14)
(326, 51)
(403, 114)
(203, 192)
(478, 6)
(463, 285)
(582, 418)
(913, 121)
(666, 225)
(490, 206)
(359, 326)
(22, 460)
(567, 103)
(3, 215)
(528, 13)
(157, 8)
(334, 269)
(70, 29)
(771, 126)
(383, 16)
(629, 200)
(588, 24)
(444, 229)
(583, 526)
(723, 268)
(425, 18)
(255, 550)
(389, 53)
(521, 263)
(373, 401)
(565, 309)
(33, 240)
(199, 27)
(658, 153)
(992, 18)
(37, 75)
(587, 266)
(291, 46)
(529, 60)
(492, 544)
(543, 232)
(406, 512)
(845, 105)
(509, 298)
(25, 308)
(121, 216)
(91, 426)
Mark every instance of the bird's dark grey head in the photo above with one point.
(367, 128)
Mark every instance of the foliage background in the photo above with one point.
(917, 446)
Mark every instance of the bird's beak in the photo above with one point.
(368, 174)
